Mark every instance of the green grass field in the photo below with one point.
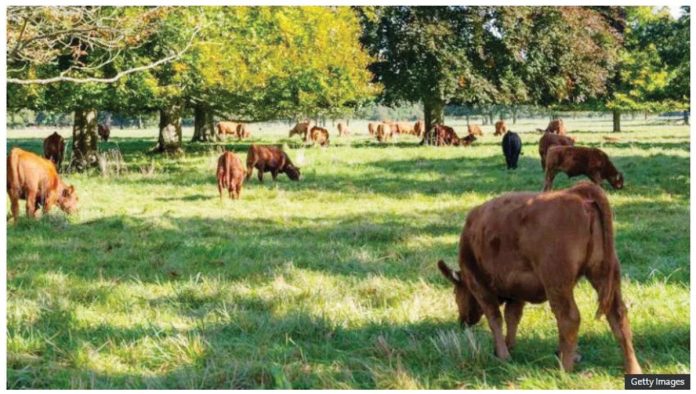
(329, 282)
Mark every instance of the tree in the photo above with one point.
(76, 59)
(653, 72)
(485, 55)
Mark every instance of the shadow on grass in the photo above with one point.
(261, 345)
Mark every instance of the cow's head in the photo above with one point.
(292, 172)
(469, 310)
(617, 181)
(67, 201)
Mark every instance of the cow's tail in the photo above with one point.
(13, 170)
(610, 263)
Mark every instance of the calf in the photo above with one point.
(445, 135)
(556, 126)
(474, 129)
(343, 129)
(104, 131)
(230, 174)
(419, 128)
(53, 147)
(512, 146)
(270, 159)
(226, 128)
(319, 135)
(384, 132)
(35, 179)
(548, 140)
(242, 131)
(500, 127)
(301, 129)
(531, 247)
(575, 160)
(466, 141)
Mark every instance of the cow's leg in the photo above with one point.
(14, 198)
(260, 171)
(491, 308)
(596, 178)
(238, 190)
(618, 321)
(31, 203)
(568, 322)
(513, 314)
(548, 180)
(274, 174)
(249, 170)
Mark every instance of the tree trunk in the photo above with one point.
(170, 130)
(467, 119)
(617, 120)
(686, 117)
(514, 115)
(140, 121)
(84, 143)
(491, 118)
(200, 123)
(433, 111)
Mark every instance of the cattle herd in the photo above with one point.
(518, 248)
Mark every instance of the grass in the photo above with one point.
(329, 282)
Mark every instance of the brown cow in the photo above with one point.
(242, 131)
(474, 129)
(445, 135)
(466, 141)
(226, 128)
(371, 128)
(556, 126)
(53, 147)
(35, 179)
(405, 128)
(343, 129)
(419, 128)
(500, 127)
(531, 247)
(270, 159)
(230, 174)
(548, 140)
(104, 131)
(302, 129)
(576, 160)
(319, 135)
(384, 132)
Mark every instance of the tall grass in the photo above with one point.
(329, 282)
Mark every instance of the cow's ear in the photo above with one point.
(447, 272)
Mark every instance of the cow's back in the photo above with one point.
(511, 237)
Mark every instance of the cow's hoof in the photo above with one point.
(577, 358)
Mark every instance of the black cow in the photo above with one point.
(512, 146)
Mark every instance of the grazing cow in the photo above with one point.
(466, 141)
(512, 146)
(226, 128)
(319, 135)
(531, 247)
(270, 159)
(445, 135)
(474, 129)
(384, 132)
(419, 128)
(230, 174)
(404, 128)
(53, 147)
(242, 131)
(371, 128)
(548, 140)
(104, 131)
(577, 160)
(343, 129)
(301, 129)
(556, 126)
(35, 179)
(500, 127)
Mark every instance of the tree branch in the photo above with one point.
(113, 79)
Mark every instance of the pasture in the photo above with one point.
(329, 282)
